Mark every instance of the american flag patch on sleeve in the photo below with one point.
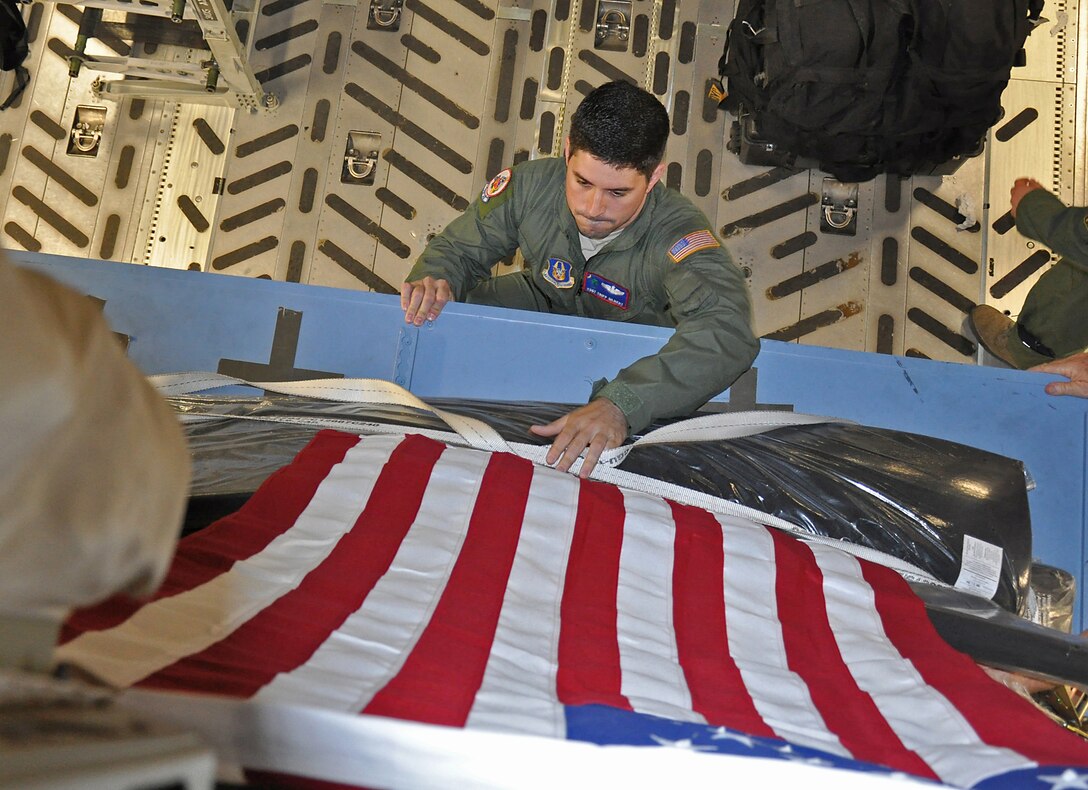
(693, 242)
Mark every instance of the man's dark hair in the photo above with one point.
(622, 125)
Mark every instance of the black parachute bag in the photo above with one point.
(14, 47)
(926, 501)
(863, 87)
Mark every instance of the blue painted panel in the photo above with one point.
(183, 320)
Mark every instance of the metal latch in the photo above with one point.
(384, 15)
(839, 206)
(86, 134)
(361, 158)
(613, 25)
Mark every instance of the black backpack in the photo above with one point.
(14, 46)
(862, 87)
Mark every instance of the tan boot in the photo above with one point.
(997, 334)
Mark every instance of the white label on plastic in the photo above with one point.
(981, 567)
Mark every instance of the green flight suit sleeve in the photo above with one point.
(1043, 217)
(464, 252)
(712, 346)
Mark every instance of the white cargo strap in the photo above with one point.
(471, 432)
(476, 433)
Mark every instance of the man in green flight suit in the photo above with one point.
(602, 237)
(1053, 323)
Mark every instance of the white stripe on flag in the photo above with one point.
(172, 628)
(756, 643)
(925, 721)
(371, 645)
(518, 689)
(652, 679)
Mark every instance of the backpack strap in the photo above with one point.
(22, 79)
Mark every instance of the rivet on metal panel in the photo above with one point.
(591, 344)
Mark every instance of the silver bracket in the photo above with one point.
(613, 25)
(85, 136)
(405, 358)
(839, 208)
(384, 15)
(361, 158)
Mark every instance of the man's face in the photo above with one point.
(604, 198)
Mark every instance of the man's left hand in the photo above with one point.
(592, 429)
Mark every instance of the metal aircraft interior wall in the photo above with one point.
(458, 89)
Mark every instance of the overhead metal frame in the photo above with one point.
(223, 79)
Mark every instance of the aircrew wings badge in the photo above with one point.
(693, 242)
(496, 185)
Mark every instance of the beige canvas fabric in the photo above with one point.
(94, 470)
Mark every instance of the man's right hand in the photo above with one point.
(422, 300)
(1020, 188)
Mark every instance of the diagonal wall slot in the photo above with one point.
(953, 340)
(772, 214)
(945, 250)
(368, 226)
(424, 138)
(413, 83)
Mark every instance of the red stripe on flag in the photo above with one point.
(439, 680)
(202, 556)
(589, 653)
(1000, 716)
(717, 688)
(812, 652)
(285, 634)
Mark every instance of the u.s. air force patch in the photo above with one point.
(496, 185)
(693, 242)
(558, 273)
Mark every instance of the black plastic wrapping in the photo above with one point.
(910, 496)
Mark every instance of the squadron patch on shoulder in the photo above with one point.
(496, 185)
(693, 242)
(558, 272)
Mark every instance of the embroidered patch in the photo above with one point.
(558, 273)
(496, 185)
(606, 290)
(693, 242)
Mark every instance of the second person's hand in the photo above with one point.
(1021, 187)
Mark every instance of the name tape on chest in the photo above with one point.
(693, 242)
(606, 290)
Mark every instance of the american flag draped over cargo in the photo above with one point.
(398, 576)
